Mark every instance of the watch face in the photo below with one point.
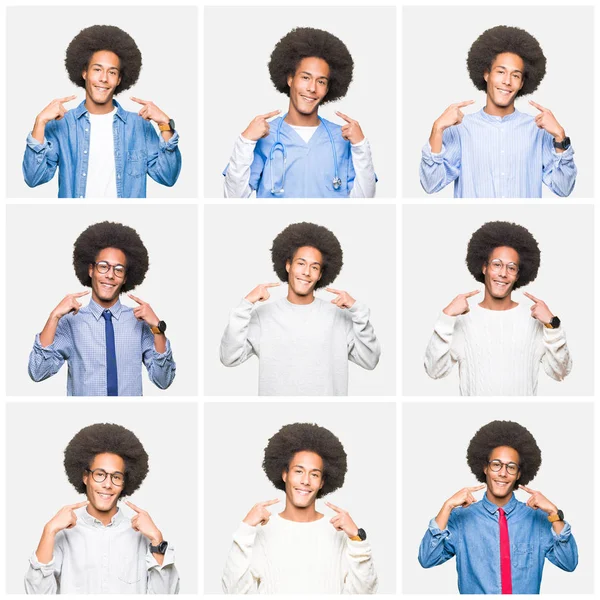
(162, 326)
(362, 534)
(172, 125)
(561, 515)
(555, 322)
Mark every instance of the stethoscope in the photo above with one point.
(279, 145)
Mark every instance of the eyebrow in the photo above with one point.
(306, 260)
(107, 66)
(303, 467)
(507, 69)
(312, 75)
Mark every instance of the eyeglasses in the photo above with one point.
(100, 475)
(496, 266)
(104, 267)
(511, 467)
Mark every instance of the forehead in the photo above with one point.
(309, 460)
(313, 65)
(505, 254)
(504, 453)
(510, 61)
(309, 254)
(112, 255)
(108, 462)
(106, 58)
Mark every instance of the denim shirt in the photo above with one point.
(139, 151)
(473, 535)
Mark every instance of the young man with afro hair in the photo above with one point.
(500, 152)
(92, 547)
(105, 342)
(298, 550)
(499, 542)
(101, 150)
(303, 343)
(499, 343)
(300, 154)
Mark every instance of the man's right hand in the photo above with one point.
(463, 497)
(65, 518)
(259, 127)
(54, 111)
(460, 305)
(259, 513)
(68, 304)
(261, 292)
(451, 116)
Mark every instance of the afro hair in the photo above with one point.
(111, 235)
(502, 233)
(104, 37)
(304, 42)
(498, 40)
(504, 433)
(298, 235)
(106, 438)
(299, 437)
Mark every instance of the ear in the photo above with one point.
(284, 475)
(486, 75)
(322, 483)
(90, 270)
(84, 74)
(288, 264)
(483, 268)
(289, 80)
(85, 477)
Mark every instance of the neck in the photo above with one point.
(498, 501)
(104, 303)
(492, 303)
(498, 111)
(300, 119)
(296, 299)
(105, 517)
(300, 515)
(98, 109)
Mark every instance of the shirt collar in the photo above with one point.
(82, 110)
(494, 119)
(493, 508)
(119, 517)
(97, 310)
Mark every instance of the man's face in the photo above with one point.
(102, 76)
(499, 272)
(103, 495)
(303, 479)
(505, 79)
(309, 85)
(500, 484)
(304, 270)
(106, 287)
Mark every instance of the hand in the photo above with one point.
(538, 500)
(261, 292)
(143, 523)
(343, 300)
(342, 521)
(459, 306)
(55, 110)
(259, 127)
(464, 497)
(151, 112)
(65, 518)
(539, 310)
(451, 116)
(259, 515)
(68, 305)
(547, 121)
(144, 312)
(351, 131)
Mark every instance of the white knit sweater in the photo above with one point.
(287, 557)
(498, 351)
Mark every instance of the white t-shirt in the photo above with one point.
(101, 174)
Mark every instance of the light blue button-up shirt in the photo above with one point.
(498, 157)
(81, 341)
(139, 151)
(473, 536)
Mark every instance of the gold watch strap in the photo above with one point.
(155, 330)
(164, 127)
(356, 538)
(553, 518)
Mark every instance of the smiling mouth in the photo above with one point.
(303, 492)
(500, 283)
(101, 89)
(308, 98)
(504, 92)
(303, 281)
(105, 496)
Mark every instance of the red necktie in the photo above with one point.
(505, 574)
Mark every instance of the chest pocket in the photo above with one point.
(136, 164)
(520, 555)
(129, 569)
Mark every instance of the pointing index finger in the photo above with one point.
(133, 506)
(269, 285)
(465, 103)
(471, 293)
(343, 116)
(526, 489)
(530, 296)
(79, 294)
(270, 502)
(136, 299)
(67, 99)
(536, 105)
(333, 291)
(139, 100)
(334, 507)
(270, 114)
(79, 504)
(477, 488)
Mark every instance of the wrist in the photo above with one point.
(50, 530)
(156, 539)
(40, 122)
(560, 136)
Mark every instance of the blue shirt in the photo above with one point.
(498, 157)
(473, 535)
(81, 340)
(310, 167)
(139, 151)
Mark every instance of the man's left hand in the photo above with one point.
(151, 112)
(144, 312)
(538, 500)
(343, 300)
(342, 521)
(351, 131)
(539, 310)
(547, 121)
(143, 523)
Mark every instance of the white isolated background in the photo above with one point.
(238, 42)
(36, 75)
(235, 436)
(435, 239)
(34, 467)
(237, 251)
(39, 266)
(436, 76)
(436, 464)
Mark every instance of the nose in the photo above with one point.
(310, 87)
(103, 75)
(305, 479)
(110, 273)
(107, 483)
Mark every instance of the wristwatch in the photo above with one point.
(160, 549)
(160, 328)
(361, 536)
(554, 323)
(559, 516)
(566, 143)
(170, 126)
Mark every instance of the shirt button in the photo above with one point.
(84, 174)
(85, 151)
(86, 130)
(502, 174)
(118, 177)
(81, 196)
